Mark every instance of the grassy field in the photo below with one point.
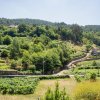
(42, 88)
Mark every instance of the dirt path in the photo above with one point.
(71, 64)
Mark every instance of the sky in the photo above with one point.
(82, 12)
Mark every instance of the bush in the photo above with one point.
(77, 78)
(94, 63)
(7, 40)
(57, 94)
(87, 91)
(4, 53)
(13, 64)
(93, 77)
(53, 77)
(18, 85)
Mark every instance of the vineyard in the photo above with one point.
(18, 85)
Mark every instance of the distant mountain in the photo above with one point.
(94, 28)
(5, 21)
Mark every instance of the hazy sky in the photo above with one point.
(69, 11)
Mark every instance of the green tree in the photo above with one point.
(12, 32)
(4, 53)
(26, 60)
(22, 28)
(1, 39)
(77, 33)
(13, 64)
(7, 40)
(15, 49)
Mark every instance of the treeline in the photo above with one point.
(5, 21)
(92, 28)
(27, 21)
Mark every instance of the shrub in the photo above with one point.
(49, 95)
(77, 78)
(87, 91)
(57, 94)
(4, 53)
(18, 85)
(53, 77)
(94, 63)
(93, 77)
(7, 40)
(13, 64)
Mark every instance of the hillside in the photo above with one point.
(5, 21)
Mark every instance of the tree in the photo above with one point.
(25, 46)
(13, 64)
(4, 53)
(11, 32)
(1, 39)
(64, 53)
(25, 60)
(7, 40)
(39, 31)
(87, 43)
(22, 28)
(52, 61)
(77, 33)
(15, 49)
(93, 77)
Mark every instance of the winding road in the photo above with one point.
(71, 64)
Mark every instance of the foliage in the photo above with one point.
(13, 64)
(18, 85)
(56, 94)
(4, 53)
(47, 46)
(7, 40)
(93, 77)
(77, 78)
(54, 77)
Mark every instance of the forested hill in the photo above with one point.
(4, 21)
(94, 28)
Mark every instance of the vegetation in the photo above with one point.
(17, 85)
(50, 47)
(87, 67)
(87, 91)
(57, 94)
(40, 47)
